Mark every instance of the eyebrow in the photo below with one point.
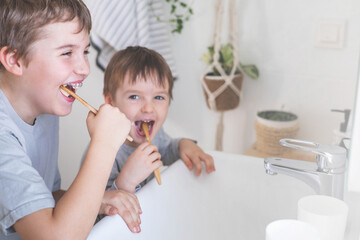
(134, 91)
(70, 46)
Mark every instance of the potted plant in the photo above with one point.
(229, 98)
(277, 118)
(273, 125)
(226, 60)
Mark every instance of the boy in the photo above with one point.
(139, 82)
(43, 45)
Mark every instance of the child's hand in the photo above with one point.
(192, 155)
(109, 127)
(140, 164)
(125, 204)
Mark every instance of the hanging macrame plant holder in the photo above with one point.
(223, 92)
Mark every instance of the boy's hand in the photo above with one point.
(109, 126)
(140, 164)
(125, 204)
(192, 155)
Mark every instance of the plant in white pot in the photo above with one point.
(273, 125)
(229, 98)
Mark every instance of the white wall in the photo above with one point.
(279, 37)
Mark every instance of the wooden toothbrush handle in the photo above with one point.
(145, 128)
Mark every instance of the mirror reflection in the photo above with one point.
(307, 58)
(306, 55)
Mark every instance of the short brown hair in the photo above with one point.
(20, 21)
(136, 63)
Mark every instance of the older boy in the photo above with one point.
(139, 82)
(43, 45)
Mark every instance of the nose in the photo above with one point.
(147, 107)
(82, 66)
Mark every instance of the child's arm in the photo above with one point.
(140, 164)
(75, 213)
(192, 155)
(125, 204)
(117, 202)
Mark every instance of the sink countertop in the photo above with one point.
(235, 202)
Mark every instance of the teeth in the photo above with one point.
(65, 93)
(72, 87)
(75, 85)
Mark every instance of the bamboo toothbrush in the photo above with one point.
(145, 128)
(91, 108)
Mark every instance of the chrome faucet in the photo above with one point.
(326, 176)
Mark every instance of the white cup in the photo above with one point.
(327, 214)
(290, 229)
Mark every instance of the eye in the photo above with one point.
(159, 98)
(86, 52)
(66, 53)
(134, 97)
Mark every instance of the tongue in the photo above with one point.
(138, 125)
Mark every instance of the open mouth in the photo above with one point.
(72, 87)
(139, 129)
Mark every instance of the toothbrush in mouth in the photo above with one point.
(91, 108)
(145, 128)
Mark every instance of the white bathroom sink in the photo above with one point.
(235, 202)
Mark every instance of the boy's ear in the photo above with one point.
(108, 99)
(9, 61)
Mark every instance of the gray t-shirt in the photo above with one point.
(28, 166)
(168, 148)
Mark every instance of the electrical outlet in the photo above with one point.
(330, 33)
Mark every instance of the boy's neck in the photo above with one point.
(15, 98)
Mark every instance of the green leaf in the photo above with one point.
(211, 50)
(173, 8)
(207, 58)
(227, 53)
(216, 72)
(226, 60)
(251, 71)
(176, 20)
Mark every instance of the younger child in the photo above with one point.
(139, 82)
(44, 45)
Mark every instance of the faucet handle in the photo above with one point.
(329, 158)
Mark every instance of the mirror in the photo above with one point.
(307, 58)
(308, 62)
